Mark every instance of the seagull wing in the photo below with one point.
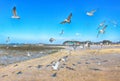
(14, 11)
(69, 17)
(63, 22)
(92, 11)
(98, 27)
(61, 32)
(98, 34)
(101, 24)
(104, 27)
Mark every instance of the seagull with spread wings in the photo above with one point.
(15, 16)
(102, 31)
(62, 32)
(67, 20)
(101, 24)
(51, 40)
(91, 13)
(115, 23)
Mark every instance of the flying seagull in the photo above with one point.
(51, 40)
(101, 24)
(115, 23)
(62, 31)
(91, 13)
(67, 20)
(77, 34)
(15, 16)
(102, 31)
(8, 40)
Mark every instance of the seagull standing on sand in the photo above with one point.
(55, 65)
(102, 31)
(28, 54)
(15, 16)
(67, 20)
(64, 59)
(91, 13)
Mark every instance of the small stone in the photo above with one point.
(15, 65)
(54, 75)
(78, 62)
(19, 72)
(4, 75)
(87, 63)
(29, 66)
(70, 68)
(105, 61)
(48, 65)
(96, 69)
(73, 64)
(39, 66)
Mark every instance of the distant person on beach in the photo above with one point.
(89, 45)
(74, 46)
(101, 44)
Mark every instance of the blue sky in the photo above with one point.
(40, 20)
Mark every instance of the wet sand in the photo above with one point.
(81, 65)
(21, 53)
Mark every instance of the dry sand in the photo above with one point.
(82, 65)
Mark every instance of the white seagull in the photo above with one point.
(55, 65)
(15, 16)
(101, 24)
(64, 59)
(67, 20)
(91, 13)
(115, 23)
(28, 54)
(8, 40)
(102, 31)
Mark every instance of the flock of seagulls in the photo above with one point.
(101, 28)
(68, 20)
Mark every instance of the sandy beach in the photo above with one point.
(81, 65)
